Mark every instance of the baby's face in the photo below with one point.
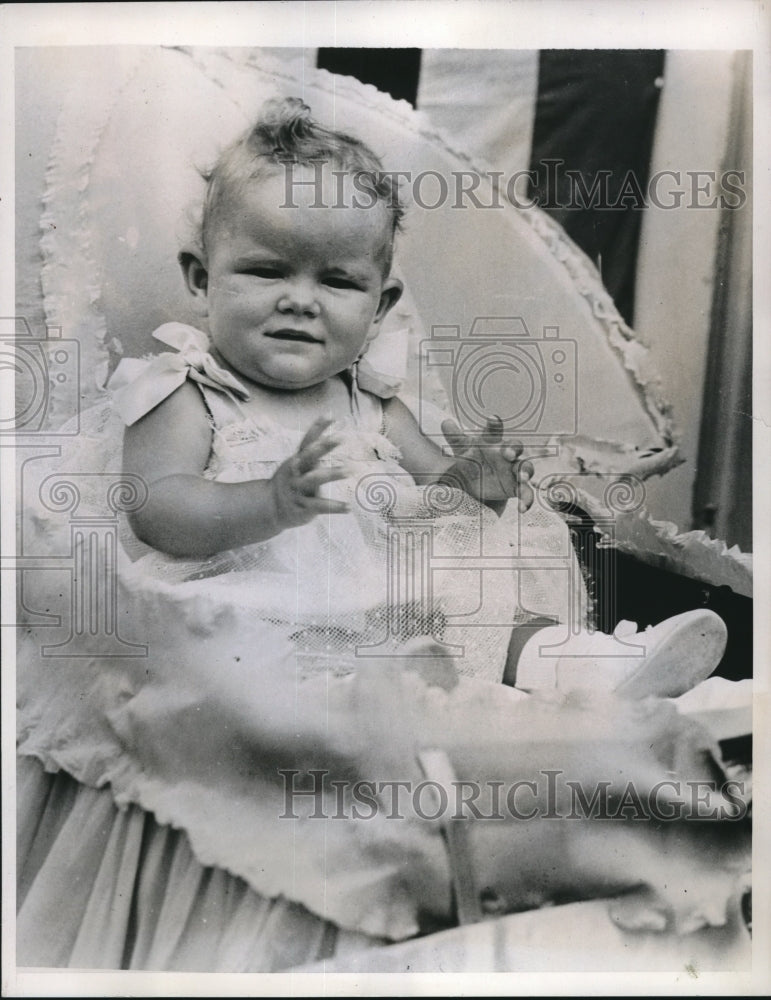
(292, 292)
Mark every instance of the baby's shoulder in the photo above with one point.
(178, 424)
(186, 404)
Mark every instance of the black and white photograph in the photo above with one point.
(384, 432)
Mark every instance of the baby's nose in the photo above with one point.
(299, 297)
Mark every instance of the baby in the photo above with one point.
(291, 294)
(270, 434)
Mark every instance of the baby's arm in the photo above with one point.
(188, 515)
(481, 465)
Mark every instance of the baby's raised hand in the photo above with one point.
(485, 467)
(295, 484)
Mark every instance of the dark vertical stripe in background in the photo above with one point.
(596, 111)
(722, 497)
(394, 71)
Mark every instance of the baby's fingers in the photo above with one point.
(311, 481)
(454, 436)
(512, 451)
(315, 431)
(525, 492)
(308, 458)
(493, 432)
(525, 497)
(321, 505)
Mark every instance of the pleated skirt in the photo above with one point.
(106, 888)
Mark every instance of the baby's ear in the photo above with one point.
(196, 278)
(389, 296)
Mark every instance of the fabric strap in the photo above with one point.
(138, 386)
(436, 767)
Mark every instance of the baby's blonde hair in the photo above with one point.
(286, 133)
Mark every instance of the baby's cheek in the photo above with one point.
(250, 301)
(359, 329)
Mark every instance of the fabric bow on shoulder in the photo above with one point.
(139, 385)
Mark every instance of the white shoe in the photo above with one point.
(664, 660)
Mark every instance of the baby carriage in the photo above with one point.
(102, 794)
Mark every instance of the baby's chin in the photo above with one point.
(287, 373)
(292, 381)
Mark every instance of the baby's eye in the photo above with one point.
(340, 281)
(264, 271)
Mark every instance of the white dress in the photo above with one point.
(408, 562)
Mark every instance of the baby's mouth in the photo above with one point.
(287, 333)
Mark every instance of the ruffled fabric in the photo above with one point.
(138, 386)
(138, 898)
(206, 747)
